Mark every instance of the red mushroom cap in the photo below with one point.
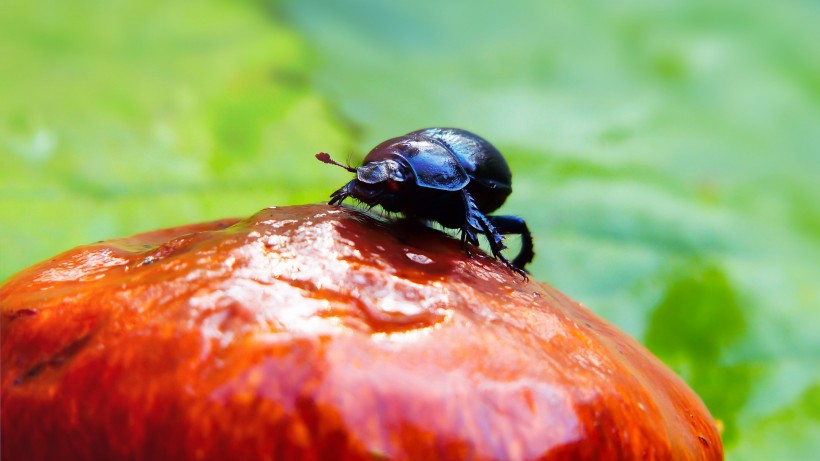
(314, 332)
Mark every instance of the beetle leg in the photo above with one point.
(476, 220)
(464, 244)
(340, 195)
(468, 237)
(493, 236)
(497, 244)
(515, 225)
(471, 225)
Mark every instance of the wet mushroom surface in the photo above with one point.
(314, 332)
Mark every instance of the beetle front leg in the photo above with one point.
(341, 194)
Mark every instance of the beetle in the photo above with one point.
(447, 175)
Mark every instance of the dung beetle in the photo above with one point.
(447, 175)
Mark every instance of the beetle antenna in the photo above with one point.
(325, 157)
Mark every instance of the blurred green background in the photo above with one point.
(666, 154)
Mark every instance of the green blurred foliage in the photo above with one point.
(666, 154)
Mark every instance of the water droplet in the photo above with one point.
(421, 259)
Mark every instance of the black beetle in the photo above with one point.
(446, 175)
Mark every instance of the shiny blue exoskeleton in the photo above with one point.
(447, 175)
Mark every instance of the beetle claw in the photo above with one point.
(468, 237)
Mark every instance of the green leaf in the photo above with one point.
(682, 331)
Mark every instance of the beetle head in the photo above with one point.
(378, 182)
